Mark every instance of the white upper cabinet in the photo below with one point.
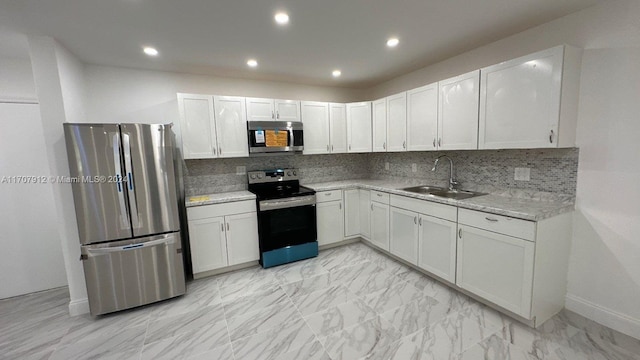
(315, 118)
(197, 126)
(397, 122)
(380, 125)
(338, 127)
(231, 126)
(359, 127)
(422, 118)
(531, 101)
(458, 112)
(259, 109)
(287, 110)
(262, 109)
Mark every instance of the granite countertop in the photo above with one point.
(525, 205)
(225, 197)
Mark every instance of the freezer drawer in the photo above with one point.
(125, 274)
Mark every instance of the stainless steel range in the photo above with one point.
(286, 216)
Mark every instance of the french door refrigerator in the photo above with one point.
(125, 196)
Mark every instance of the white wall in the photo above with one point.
(604, 274)
(59, 86)
(16, 80)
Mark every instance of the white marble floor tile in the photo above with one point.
(309, 351)
(86, 327)
(254, 302)
(297, 271)
(309, 285)
(210, 319)
(361, 340)
(322, 299)
(340, 317)
(271, 344)
(34, 336)
(368, 283)
(495, 348)
(123, 345)
(417, 315)
(244, 276)
(232, 292)
(220, 353)
(397, 294)
(189, 343)
(254, 322)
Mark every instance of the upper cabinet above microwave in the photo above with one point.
(531, 101)
(261, 109)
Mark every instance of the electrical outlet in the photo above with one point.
(522, 174)
(414, 167)
(386, 165)
(241, 170)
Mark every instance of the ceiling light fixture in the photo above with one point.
(336, 73)
(393, 42)
(252, 63)
(282, 18)
(150, 51)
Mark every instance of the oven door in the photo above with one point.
(286, 222)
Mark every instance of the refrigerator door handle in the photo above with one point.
(124, 216)
(106, 250)
(126, 146)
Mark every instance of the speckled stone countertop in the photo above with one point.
(219, 198)
(514, 203)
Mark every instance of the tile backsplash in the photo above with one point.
(552, 170)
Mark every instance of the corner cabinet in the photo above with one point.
(359, 127)
(213, 126)
(458, 112)
(531, 101)
(222, 235)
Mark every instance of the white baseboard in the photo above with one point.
(79, 307)
(605, 316)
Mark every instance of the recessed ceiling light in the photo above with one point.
(336, 73)
(282, 18)
(150, 51)
(393, 42)
(252, 62)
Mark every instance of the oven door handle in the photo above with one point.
(275, 204)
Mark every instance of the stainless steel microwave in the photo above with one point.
(274, 137)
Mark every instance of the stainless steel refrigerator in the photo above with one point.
(125, 195)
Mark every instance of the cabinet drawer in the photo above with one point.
(223, 209)
(380, 197)
(324, 196)
(523, 229)
(425, 207)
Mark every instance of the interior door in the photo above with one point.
(94, 152)
(150, 178)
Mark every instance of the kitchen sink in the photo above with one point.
(442, 192)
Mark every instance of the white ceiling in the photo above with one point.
(218, 36)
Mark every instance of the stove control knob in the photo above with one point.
(260, 176)
(295, 173)
(253, 176)
(288, 173)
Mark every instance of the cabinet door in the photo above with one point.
(197, 126)
(330, 222)
(458, 112)
(242, 238)
(380, 125)
(338, 128)
(231, 126)
(380, 225)
(359, 127)
(315, 117)
(520, 102)
(437, 247)
(404, 234)
(208, 244)
(422, 118)
(351, 212)
(365, 213)
(397, 122)
(259, 109)
(496, 267)
(287, 110)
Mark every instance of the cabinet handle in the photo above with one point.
(404, 144)
(340, 206)
(491, 219)
(277, 114)
(371, 207)
(219, 150)
(379, 195)
(434, 142)
(349, 146)
(222, 227)
(327, 194)
(460, 233)
(327, 147)
(415, 219)
(273, 115)
(227, 226)
(551, 137)
(439, 142)
(214, 151)
(420, 221)
(384, 145)
(331, 148)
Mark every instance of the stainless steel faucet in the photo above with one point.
(452, 177)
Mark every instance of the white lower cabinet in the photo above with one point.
(351, 212)
(496, 267)
(329, 217)
(404, 234)
(222, 235)
(437, 246)
(379, 235)
(365, 213)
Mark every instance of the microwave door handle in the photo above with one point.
(291, 137)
